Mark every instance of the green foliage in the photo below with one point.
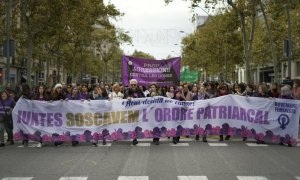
(141, 54)
(213, 44)
(61, 30)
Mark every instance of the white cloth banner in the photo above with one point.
(270, 120)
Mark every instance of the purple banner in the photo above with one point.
(146, 71)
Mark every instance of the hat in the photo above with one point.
(57, 86)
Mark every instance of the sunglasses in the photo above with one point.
(133, 84)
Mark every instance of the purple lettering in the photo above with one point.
(43, 118)
(19, 117)
(222, 112)
(266, 118)
(235, 113)
(243, 115)
(183, 115)
(259, 117)
(199, 112)
(190, 114)
(249, 113)
(34, 119)
(145, 115)
(175, 114)
(49, 119)
(167, 114)
(58, 120)
(158, 115)
(207, 113)
(214, 111)
(229, 112)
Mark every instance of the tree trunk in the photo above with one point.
(274, 57)
(29, 57)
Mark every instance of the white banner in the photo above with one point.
(271, 120)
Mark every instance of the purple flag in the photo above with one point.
(146, 71)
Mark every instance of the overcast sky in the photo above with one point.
(155, 27)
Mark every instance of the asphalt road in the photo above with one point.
(189, 160)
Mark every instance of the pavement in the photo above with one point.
(189, 160)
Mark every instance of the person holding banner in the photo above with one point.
(25, 92)
(84, 92)
(152, 93)
(223, 91)
(170, 92)
(57, 94)
(133, 92)
(186, 93)
(116, 93)
(40, 95)
(296, 89)
(6, 106)
(178, 97)
(200, 95)
(74, 94)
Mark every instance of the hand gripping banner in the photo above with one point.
(269, 120)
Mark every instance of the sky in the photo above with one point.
(155, 28)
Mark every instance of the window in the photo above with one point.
(1, 50)
(298, 68)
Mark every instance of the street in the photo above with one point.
(189, 160)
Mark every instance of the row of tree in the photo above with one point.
(248, 33)
(66, 33)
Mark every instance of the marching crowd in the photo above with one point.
(101, 91)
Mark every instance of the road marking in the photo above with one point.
(142, 145)
(217, 144)
(256, 145)
(192, 178)
(179, 144)
(106, 145)
(73, 178)
(133, 178)
(17, 178)
(298, 178)
(251, 178)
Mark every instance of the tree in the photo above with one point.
(214, 47)
(141, 54)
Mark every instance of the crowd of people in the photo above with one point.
(102, 91)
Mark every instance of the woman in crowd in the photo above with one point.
(84, 93)
(57, 93)
(262, 91)
(6, 107)
(75, 95)
(194, 90)
(239, 89)
(102, 94)
(250, 91)
(116, 93)
(201, 95)
(274, 90)
(210, 89)
(296, 89)
(170, 92)
(41, 94)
